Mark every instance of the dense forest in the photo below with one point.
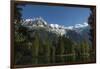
(41, 49)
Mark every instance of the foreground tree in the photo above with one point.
(35, 48)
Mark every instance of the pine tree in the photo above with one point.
(85, 50)
(35, 48)
(68, 46)
(53, 54)
(60, 47)
(47, 48)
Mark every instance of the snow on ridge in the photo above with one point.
(32, 21)
(58, 29)
(27, 20)
(69, 27)
(55, 28)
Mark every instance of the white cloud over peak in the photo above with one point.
(81, 25)
(85, 24)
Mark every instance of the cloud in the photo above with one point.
(81, 25)
(85, 24)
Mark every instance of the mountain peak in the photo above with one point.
(35, 21)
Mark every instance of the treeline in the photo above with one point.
(42, 51)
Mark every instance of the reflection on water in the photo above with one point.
(60, 59)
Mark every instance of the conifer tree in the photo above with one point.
(35, 47)
(85, 50)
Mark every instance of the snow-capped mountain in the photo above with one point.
(79, 34)
(40, 23)
(76, 33)
(34, 22)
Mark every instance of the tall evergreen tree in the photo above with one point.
(85, 50)
(92, 21)
(35, 48)
(60, 47)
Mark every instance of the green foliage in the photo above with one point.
(35, 45)
(39, 50)
(85, 49)
(60, 46)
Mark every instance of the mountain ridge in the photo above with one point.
(39, 22)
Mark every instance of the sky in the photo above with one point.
(62, 15)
